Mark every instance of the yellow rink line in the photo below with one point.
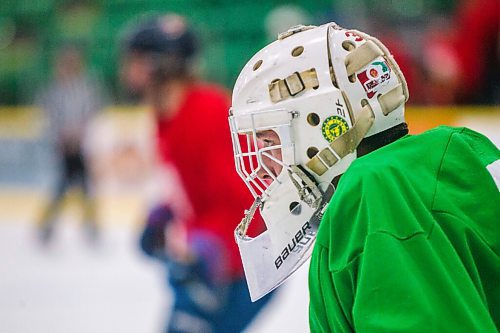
(25, 205)
(27, 122)
(422, 118)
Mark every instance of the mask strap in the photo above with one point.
(343, 145)
(292, 85)
(242, 227)
(362, 56)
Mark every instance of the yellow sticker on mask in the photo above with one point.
(333, 127)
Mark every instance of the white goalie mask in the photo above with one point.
(320, 90)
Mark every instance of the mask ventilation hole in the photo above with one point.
(313, 119)
(295, 208)
(364, 102)
(352, 78)
(297, 51)
(257, 65)
(312, 151)
(348, 45)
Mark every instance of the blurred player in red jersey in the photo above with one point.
(477, 46)
(461, 57)
(205, 271)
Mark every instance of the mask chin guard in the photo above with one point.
(266, 269)
(309, 192)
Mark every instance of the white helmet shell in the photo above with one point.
(322, 90)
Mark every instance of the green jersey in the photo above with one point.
(410, 240)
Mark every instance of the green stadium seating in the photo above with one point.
(231, 32)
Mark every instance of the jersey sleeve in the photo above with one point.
(329, 309)
(397, 285)
(416, 285)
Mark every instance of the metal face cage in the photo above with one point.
(250, 154)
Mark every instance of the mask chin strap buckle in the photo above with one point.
(311, 193)
(308, 190)
(241, 229)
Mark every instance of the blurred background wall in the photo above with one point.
(437, 42)
(448, 50)
(30, 31)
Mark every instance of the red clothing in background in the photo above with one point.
(197, 141)
(477, 47)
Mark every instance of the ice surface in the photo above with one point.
(71, 286)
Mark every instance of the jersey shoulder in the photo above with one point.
(381, 187)
(407, 151)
